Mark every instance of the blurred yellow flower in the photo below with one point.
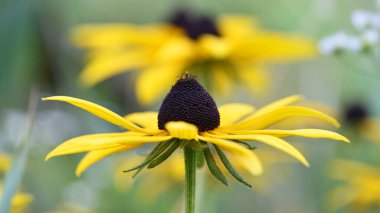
(20, 201)
(232, 48)
(360, 189)
(359, 118)
(189, 117)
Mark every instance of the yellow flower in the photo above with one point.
(360, 119)
(360, 188)
(232, 48)
(20, 201)
(189, 117)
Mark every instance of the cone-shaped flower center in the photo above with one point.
(356, 113)
(188, 101)
(194, 26)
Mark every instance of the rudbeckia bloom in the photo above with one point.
(359, 189)
(189, 118)
(230, 48)
(359, 118)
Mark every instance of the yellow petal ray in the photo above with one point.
(182, 130)
(341, 169)
(103, 36)
(245, 157)
(101, 141)
(109, 64)
(271, 47)
(277, 104)
(277, 115)
(213, 47)
(309, 133)
(230, 113)
(98, 111)
(94, 156)
(147, 120)
(236, 26)
(269, 140)
(5, 162)
(154, 81)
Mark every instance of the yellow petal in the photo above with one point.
(5, 162)
(108, 64)
(342, 170)
(147, 120)
(20, 202)
(101, 36)
(98, 111)
(309, 133)
(236, 26)
(212, 47)
(182, 130)
(102, 141)
(272, 47)
(277, 104)
(230, 113)
(277, 115)
(94, 156)
(270, 140)
(153, 82)
(245, 157)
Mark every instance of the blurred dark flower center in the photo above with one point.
(194, 25)
(188, 101)
(356, 113)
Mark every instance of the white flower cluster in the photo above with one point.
(367, 24)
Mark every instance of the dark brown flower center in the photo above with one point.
(188, 101)
(194, 25)
(356, 113)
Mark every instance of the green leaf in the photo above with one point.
(155, 152)
(14, 176)
(247, 145)
(214, 169)
(165, 155)
(230, 168)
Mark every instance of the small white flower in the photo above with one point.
(370, 37)
(375, 20)
(361, 19)
(339, 41)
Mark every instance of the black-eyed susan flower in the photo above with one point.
(189, 118)
(359, 189)
(358, 117)
(20, 201)
(228, 49)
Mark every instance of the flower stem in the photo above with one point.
(190, 169)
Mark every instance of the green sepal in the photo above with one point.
(200, 159)
(165, 155)
(214, 169)
(152, 155)
(230, 168)
(247, 145)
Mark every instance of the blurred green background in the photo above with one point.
(35, 52)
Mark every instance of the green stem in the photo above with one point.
(190, 169)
